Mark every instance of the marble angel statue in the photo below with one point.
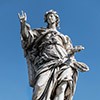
(52, 67)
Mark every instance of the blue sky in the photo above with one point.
(80, 19)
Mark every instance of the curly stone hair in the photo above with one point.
(55, 14)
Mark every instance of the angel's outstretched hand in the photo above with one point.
(22, 16)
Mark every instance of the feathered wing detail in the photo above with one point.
(31, 72)
(29, 52)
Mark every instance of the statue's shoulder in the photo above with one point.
(40, 30)
(67, 37)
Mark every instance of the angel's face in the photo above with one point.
(51, 18)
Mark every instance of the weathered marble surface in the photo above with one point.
(52, 67)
